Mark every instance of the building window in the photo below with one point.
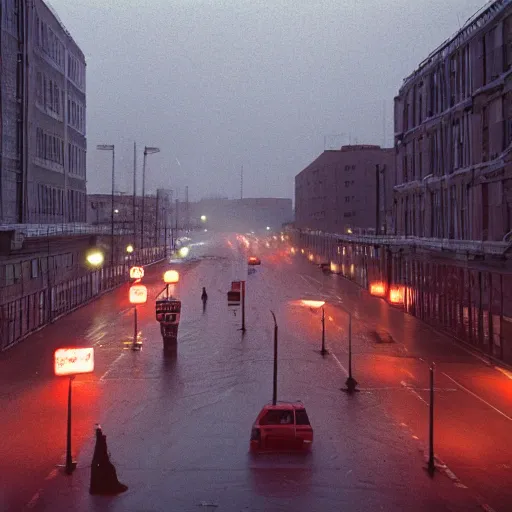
(34, 268)
(347, 199)
(9, 275)
(39, 88)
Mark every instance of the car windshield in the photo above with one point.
(278, 417)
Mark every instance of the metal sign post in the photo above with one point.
(70, 362)
(431, 461)
(138, 295)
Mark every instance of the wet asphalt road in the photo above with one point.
(178, 425)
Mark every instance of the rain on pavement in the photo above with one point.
(178, 424)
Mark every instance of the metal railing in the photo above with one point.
(438, 244)
(38, 230)
(24, 315)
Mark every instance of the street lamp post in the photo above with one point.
(323, 351)
(147, 151)
(316, 304)
(274, 388)
(110, 147)
(431, 460)
(351, 383)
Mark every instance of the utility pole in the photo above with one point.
(134, 194)
(143, 196)
(112, 214)
(377, 206)
(157, 208)
(186, 208)
(242, 182)
(110, 147)
(176, 220)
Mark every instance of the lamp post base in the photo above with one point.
(351, 384)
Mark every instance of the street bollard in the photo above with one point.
(431, 461)
(103, 473)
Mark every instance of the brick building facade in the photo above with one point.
(346, 190)
(453, 135)
(43, 139)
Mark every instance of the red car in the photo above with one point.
(253, 260)
(281, 427)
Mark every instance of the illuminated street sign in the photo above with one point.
(71, 361)
(136, 273)
(138, 294)
(171, 277)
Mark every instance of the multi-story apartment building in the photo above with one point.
(453, 135)
(43, 169)
(349, 190)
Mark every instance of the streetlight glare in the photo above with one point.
(184, 252)
(171, 277)
(203, 218)
(129, 248)
(268, 228)
(95, 258)
(313, 303)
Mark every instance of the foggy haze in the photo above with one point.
(261, 83)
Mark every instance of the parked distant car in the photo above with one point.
(282, 427)
(325, 267)
(253, 260)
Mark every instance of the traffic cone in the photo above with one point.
(103, 473)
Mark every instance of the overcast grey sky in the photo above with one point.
(218, 84)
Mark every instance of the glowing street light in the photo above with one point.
(129, 249)
(171, 277)
(137, 273)
(184, 252)
(203, 218)
(268, 228)
(315, 304)
(95, 258)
